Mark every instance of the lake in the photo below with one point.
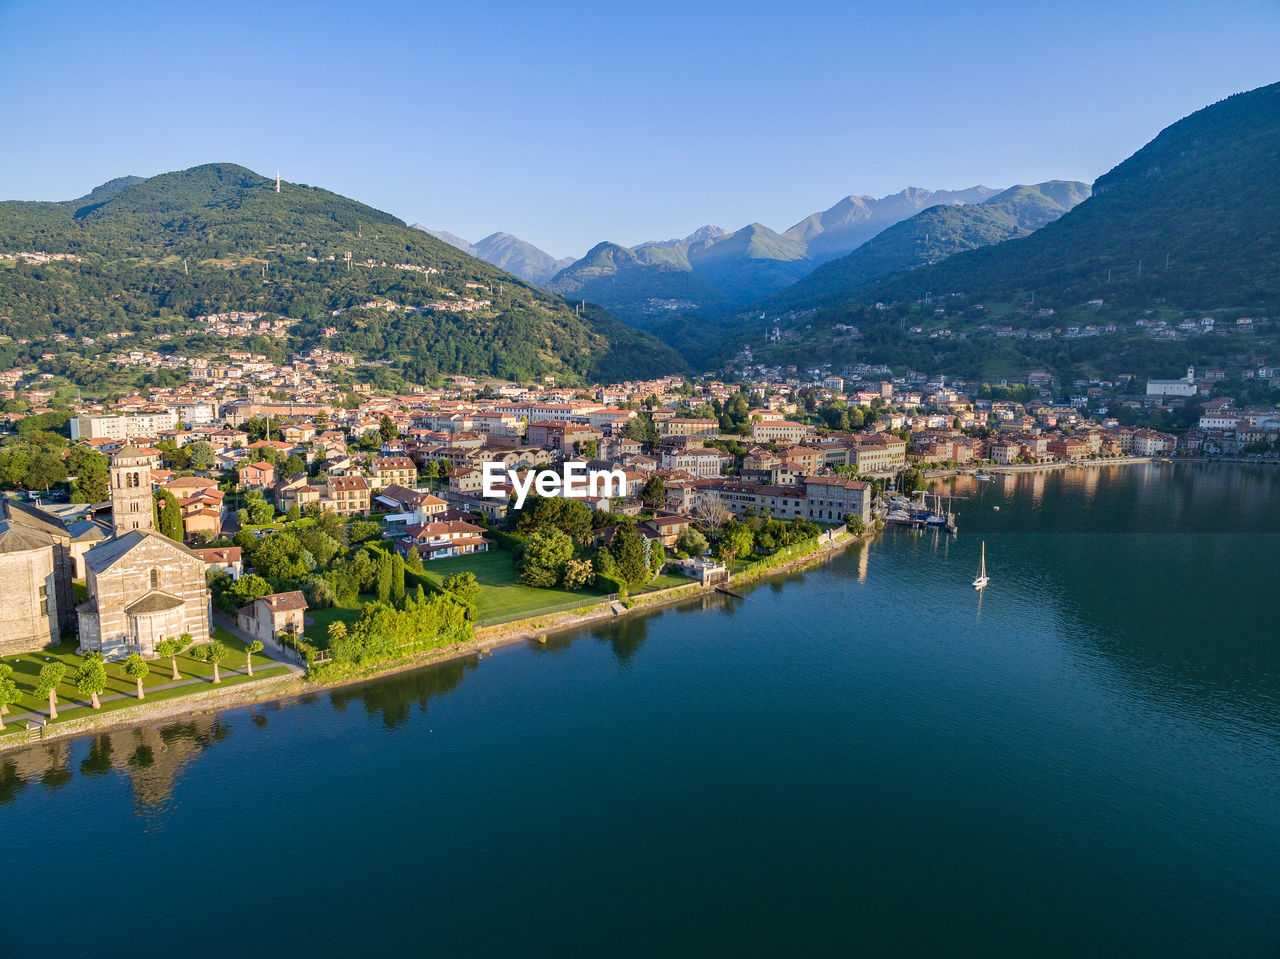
(867, 757)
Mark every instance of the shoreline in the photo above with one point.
(487, 639)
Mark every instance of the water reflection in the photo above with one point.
(394, 697)
(151, 759)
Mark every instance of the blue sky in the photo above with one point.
(568, 123)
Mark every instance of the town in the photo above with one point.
(339, 527)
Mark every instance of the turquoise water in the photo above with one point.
(865, 758)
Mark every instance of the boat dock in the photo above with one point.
(897, 510)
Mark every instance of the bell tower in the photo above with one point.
(132, 506)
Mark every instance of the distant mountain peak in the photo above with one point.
(702, 235)
(509, 252)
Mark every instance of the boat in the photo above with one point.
(996, 508)
(982, 579)
(982, 476)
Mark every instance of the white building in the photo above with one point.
(118, 426)
(1183, 387)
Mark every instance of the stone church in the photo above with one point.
(143, 587)
(37, 604)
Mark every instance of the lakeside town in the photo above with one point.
(336, 529)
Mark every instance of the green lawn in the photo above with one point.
(501, 593)
(665, 581)
(26, 668)
(318, 620)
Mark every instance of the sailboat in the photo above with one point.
(982, 579)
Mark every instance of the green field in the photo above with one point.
(26, 668)
(318, 620)
(501, 593)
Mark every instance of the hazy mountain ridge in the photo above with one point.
(731, 270)
(928, 237)
(507, 252)
(855, 219)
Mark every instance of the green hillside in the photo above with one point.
(152, 254)
(1192, 220)
(928, 237)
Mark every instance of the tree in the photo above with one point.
(259, 510)
(654, 493)
(213, 654)
(641, 429)
(51, 674)
(413, 561)
(91, 470)
(385, 577)
(8, 691)
(910, 481)
(691, 542)
(856, 526)
(170, 516)
(630, 553)
(337, 631)
(172, 647)
(387, 428)
(91, 678)
(245, 590)
(571, 516)
(463, 585)
(545, 554)
(397, 578)
(578, 573)
(201, 455)
(711, 512)
(46, 469)
(136, 668)
(254, 647)
(736, 540)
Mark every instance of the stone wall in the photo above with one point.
(27, 621)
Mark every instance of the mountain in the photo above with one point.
(699, 237)
(856, 219)
(154, 254)
(508, 253)
(640, 284)
(450, 238)
(928, 237)
(750, 262)
(1191, 220)
(731, 270)
(101, 194)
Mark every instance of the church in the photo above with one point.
(142, 586)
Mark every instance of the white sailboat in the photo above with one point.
(982, 579)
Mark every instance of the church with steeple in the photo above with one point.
(142, 586)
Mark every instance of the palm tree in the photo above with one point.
(172, 647)
(249, 650)
(136, 668)
(215, 653)
(91, 678)
(51, 674)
